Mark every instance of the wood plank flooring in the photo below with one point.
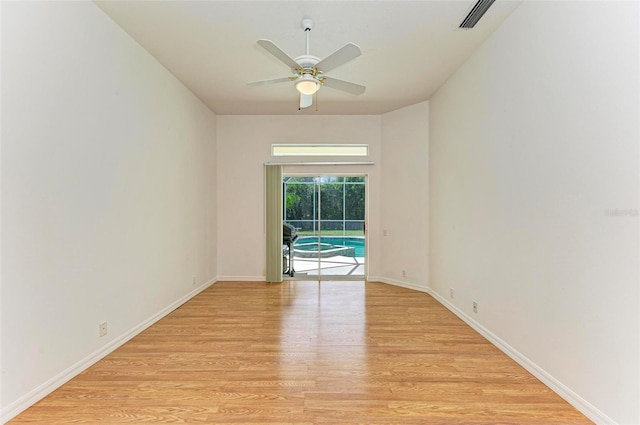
(306, 352)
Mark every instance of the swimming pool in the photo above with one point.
(349, 246)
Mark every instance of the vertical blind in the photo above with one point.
(274, 222)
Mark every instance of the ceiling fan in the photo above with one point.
(309, 71)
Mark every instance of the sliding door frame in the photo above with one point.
(319, 175)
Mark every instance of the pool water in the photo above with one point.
(310, 243)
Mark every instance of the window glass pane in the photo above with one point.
(299, 179)
(300, 206)
(331, 195)
(354, 201)
(331, 179)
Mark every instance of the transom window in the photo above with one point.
(319, 150)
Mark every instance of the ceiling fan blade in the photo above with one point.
(267, 82)
(345, 86)
(271, 47)
(306, 100)
(339, 57)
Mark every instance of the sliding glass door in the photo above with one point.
(329, 215)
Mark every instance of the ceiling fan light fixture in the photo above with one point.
(307, 85)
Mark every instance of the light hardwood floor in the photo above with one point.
(305, 352)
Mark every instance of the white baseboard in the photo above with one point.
(38, 393)
(586, 408)
(400, 283)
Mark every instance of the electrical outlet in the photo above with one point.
(404, 273)
(475, 307)
(451, 292)
(194, 281)
(102, 329)
(384, 232)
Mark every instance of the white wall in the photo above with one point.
(108, 192)
(244, 145)
(109, 199)
(404, 193)
(532, 143)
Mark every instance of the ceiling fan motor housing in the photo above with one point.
(307, 61)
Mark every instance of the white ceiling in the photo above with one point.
(409, 48)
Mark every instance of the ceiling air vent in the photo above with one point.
(476, 13)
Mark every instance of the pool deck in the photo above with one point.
(333, 266)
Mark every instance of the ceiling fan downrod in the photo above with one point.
(307, 25)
